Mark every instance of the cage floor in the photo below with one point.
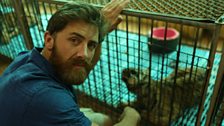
(105, 84)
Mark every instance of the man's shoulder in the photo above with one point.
(17, 62)
(29, 80)
(54, 96)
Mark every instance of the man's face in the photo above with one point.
(73, 50)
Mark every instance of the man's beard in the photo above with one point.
(74, 71)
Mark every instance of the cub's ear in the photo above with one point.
(125, 75)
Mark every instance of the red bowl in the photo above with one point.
(161, 44)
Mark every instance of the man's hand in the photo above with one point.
(129, 117)
(131, 113)
(112, 11)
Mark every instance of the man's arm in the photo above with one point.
(111, 13)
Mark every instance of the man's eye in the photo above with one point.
(92, 45)
(74, 40)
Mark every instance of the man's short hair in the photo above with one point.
(74, 11)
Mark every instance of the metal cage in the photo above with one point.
(180, 87)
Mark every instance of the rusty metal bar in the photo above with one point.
(59, 2)
(209, 66)
(216, 87)
(23, 23)
(202, 23)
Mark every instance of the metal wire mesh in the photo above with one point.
(198, 9)
(207, 10)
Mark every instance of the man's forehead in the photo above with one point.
(82, 29)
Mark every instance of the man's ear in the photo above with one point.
(96, 57)
(48, 40)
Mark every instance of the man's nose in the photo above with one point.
(83, 51)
